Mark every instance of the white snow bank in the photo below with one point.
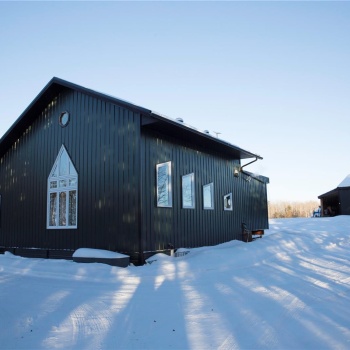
(97, 253)
(159, 257)
(11, 256)
(182, 250)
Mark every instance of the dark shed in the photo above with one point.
(81, 169)
(337, 201)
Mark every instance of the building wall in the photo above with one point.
(344, 199)
(196, 227)
(107, 148)
(103, 141)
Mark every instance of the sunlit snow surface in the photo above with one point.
(288, 290)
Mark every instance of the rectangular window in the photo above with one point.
(228, 202)
(208, 196)
(164, 194)
(188, 198)
(0, 210)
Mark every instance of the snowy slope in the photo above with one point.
(288, 290)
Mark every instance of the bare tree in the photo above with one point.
(286, 209)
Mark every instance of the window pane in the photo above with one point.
(64, 164)
(53, 209)
(63, 183)
(54, 173)
(63, 208)
(73, 182)
(164, 185)
(72, 208)
(188, 191)
(228, 202)
(53, 184)
(208, 196)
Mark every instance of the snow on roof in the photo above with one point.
(204, 131)
(345, 182)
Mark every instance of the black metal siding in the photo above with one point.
(102, 140)
(253, 199)
(196, 227)
(116, 166)
(344, 199)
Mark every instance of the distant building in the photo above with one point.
(81, 169)
(337, 201)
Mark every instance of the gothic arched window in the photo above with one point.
(62, 193)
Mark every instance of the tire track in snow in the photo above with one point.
(90, 322)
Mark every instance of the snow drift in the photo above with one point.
(289, 290)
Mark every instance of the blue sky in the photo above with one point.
(272, 77)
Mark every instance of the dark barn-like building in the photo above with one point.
(337, 201)
(81, 169)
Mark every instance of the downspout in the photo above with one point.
(141, 257)
(250, 175)
(253, 161)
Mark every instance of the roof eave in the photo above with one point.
(332, 192)
(243, 154)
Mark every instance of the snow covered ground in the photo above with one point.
(288, 290)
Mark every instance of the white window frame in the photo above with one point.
(211, 193)
(188, 191)
(228, 202)
(62, 183)
(165, 181)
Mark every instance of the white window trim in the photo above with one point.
(193, 198)
(228, 205)
(73, 175)
(169, 203)
(211, 186)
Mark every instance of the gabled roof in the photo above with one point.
(159, 122)
(344, 184)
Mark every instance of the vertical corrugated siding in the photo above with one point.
(253, 197)
(344, 200)
(196, 227)
(103, 141)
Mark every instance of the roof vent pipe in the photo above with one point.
(179, 120)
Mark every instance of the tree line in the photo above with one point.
(286, 209)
